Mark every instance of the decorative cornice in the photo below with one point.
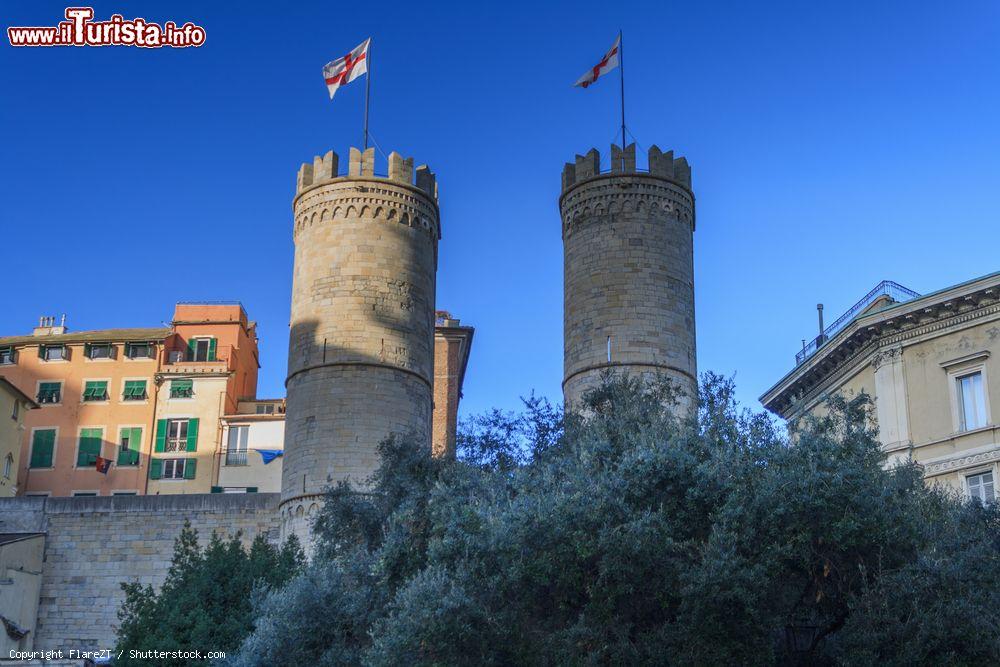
(895, 327)
(961, 462)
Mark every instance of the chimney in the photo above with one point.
(819, 311)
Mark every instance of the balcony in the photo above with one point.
(177, 359)
(896, 293)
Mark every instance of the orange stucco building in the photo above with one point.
(148, 400)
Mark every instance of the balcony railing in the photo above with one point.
(176, 358)
(888, 288)
(236, 457)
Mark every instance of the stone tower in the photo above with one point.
(361, 349)
(628, 253)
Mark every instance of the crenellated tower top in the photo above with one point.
(662, 165)
(361, 164)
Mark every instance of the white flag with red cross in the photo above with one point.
(346, 69)
(608, 63)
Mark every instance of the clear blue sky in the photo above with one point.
(832, 146)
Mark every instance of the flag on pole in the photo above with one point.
(344, 70)
(103, 465)
(608, 63)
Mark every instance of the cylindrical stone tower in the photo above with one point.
(361, 349)
(628, 253)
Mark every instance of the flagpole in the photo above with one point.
(368, 88)
(621, 78)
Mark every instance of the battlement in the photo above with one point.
(362, 164)
(661, 164)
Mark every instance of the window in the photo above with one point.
(16, 410)
(236, 451)
(265, 408)
(6, 355)
(98, 350)
(8, 463)
(129, 442)
(971, 401)
(89, 447)
(95, 390)
(52, 352)
(181, 388)
(172, 468)
(49, 392)
(43, 444)
(177, 433)
(140, 350)
(201, 349)
(981, 487)
(135, 390)
(124, 493)
(82, 494)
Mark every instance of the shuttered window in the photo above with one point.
(181, 388)
(43, 444)
(95, 390)
(135, 390)
(129, 442)
(49, 392)
(90, 447)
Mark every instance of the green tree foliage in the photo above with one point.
(206, 601)
(631, 537)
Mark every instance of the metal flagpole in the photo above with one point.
(368, 88)
(621, 77)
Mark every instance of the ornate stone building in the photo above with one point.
(628, 262)
(930, 364)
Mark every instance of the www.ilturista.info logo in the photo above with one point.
(80, 30)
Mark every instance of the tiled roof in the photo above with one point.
(100, 335)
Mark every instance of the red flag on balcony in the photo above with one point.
(103, 465)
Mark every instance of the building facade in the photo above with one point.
(930, 364)
(628, 262)
(147, 400)
(14, 403)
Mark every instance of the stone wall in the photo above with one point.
(628, 243)
(93, 544)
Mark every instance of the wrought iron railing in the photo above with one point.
(236, 457)
(888, 288)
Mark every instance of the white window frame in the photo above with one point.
(55, 445)
(45, 353)
(62, 392)
(174, 478)
(8, 465)
(974, 472)
(183, 440)
(76, 453)
(110, 357)
(208, 346)
(957, 369)
(246, 445)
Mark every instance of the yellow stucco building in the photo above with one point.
(932, 365)
(13, 405)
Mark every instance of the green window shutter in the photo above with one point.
(216, 489)
(41, 351)
(86, 350)
(161, 435)
(190, 465)
(155, 468)
(211, 349)
(42, 446)
(134, 390)
(251, 489)
(181, 388)
(192, 435)
(191, 349)
(130, 457)
(89, 448)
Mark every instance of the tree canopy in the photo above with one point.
(632, 537)
(206, 601)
